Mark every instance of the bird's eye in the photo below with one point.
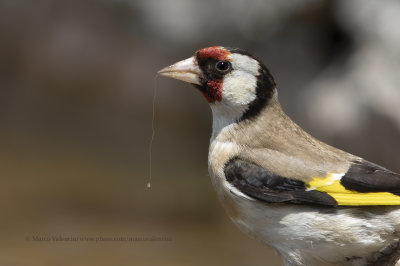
(223, 66)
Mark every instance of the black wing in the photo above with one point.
(364, 176)
(263, 185)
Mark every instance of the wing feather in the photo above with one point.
(263, 185)
(364, 176)
(364, 183)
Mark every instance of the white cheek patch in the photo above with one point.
(239, 87)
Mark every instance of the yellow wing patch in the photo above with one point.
(332, 186)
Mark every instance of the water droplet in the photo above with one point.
(148, 185)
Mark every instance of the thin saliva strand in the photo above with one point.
(153, 131)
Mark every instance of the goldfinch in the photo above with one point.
(313, 203)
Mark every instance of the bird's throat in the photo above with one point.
(224, 117)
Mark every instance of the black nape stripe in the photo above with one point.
(265, 87)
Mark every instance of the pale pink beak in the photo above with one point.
(186, 70)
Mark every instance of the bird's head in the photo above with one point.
(235, 83)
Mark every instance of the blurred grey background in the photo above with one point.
(76, 88)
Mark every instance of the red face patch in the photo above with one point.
(214, 91)
(214, 52)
